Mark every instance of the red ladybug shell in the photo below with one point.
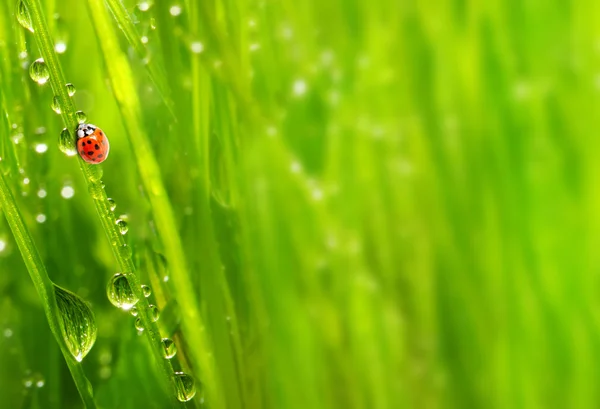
(92, 143)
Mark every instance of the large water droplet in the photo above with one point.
(139, 325)
(23, 16)
(112, 205)
(133, 311)
(66, 143)
(71, 89)
(56, 105)
(122, 226)
(146, 290)
(185, 386)
(81, 117)
(38, 71)
(120, 293)
(154, 313)
(169, 348)
(77, 322)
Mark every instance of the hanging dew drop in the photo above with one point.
(71, 89)
(120, 293)
(185, 386)
(56, 105)
(66, 144)
(23, 16)
(38, 71)
(96, 190)
(154, 313)
(77, 323)
(133, 311)
(138, 324)
(146, 290)
(81, 117)
(169, 348)
(122, 226)
(112, 205)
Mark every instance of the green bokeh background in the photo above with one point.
(382, 204)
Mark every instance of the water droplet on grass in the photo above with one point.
(71, 89)
(77, 323)
(38, 71)
(175, 10)
(120, 293)
(66, 143)
(154, 313)
(56, 104)
(81, 117)
(41, 148)
(96, 190)
(146, 290)
(169, 348)
(125, 251)
(112, 205)
(40, 218)
(133, 311)
(95, 173)
(122, 226)
(138, 324)
(23, 16)
(185, 386)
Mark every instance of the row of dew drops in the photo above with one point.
(119, 290)
(121, 295)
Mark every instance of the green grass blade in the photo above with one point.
(122, 81)
(44, 288)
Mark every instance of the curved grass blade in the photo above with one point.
(45, 289)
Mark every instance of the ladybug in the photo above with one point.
(92, 143)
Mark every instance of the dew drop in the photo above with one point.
(120, 293)
(81, 117)
(125, 251)
(154, 313)
(133, 311)
(112, 205)
(153, 23)
(66, 143)
(169, 348)
(185, 386)
(38, 71)
(96, 190)
(56, 105)
(122, 226)
(77, 322)
(197, 47)
(23, 16)
(138, 324)
(175, 10)
(71, 89)
(146, 290)
(95, 173)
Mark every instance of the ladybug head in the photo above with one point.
(84, 130)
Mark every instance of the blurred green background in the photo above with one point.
(381, 204)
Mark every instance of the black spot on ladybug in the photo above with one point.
(90, 152)
(99, 156)
(89, 142)
(96, 146)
